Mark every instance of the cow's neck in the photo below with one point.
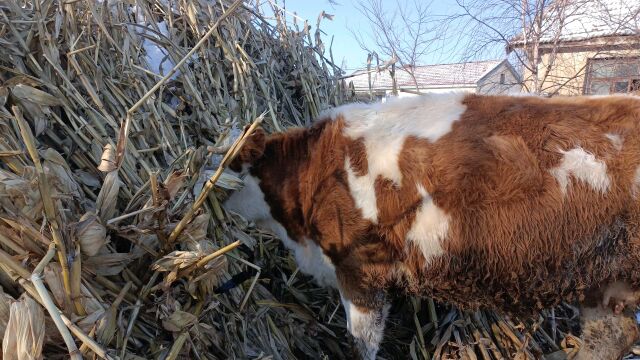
(287, 179)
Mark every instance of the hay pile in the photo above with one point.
(111, 182)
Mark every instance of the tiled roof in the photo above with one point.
(457, 75)
(589, 19)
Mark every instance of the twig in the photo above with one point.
(49, 209)
(253, 282)
(12, 264)
(88, 341)
(133, 213)
(218, 149)
(205, 260)
(36, 279)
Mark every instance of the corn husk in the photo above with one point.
(25, 332)
(178, 321)
(53, 279)
(108, 159)
(91, 234)
(108, 197)
(5, 310)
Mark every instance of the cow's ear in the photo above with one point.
(252, 150)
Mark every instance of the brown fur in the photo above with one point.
(514, 244)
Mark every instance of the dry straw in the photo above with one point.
(114, 116)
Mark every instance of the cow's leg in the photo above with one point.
(619, 295)
(365, 322)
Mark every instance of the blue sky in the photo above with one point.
(345, 47)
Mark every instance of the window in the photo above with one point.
(502, 79)
(612, 75)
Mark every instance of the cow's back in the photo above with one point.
(510, 201)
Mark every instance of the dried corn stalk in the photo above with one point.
(5, 310)
(24, 336)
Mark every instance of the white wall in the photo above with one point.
(401, 94)
(492, 85)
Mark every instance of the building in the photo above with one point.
(495, 76)
(590, 47)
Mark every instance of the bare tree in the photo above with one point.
(401, 33)
(542, 36)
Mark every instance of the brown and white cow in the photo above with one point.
(509, 203)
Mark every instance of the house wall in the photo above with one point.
(432, 90)
(362, 95)
(566, 76)
(382, 95)
(490, 84)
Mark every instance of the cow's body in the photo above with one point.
(512, 203)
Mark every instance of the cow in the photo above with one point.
(510, 203)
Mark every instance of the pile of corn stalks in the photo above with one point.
(114, 119)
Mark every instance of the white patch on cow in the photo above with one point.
(430, 226)
(250, 203)
(635, 187)
(626, 96)
(616, 140)
(384, 127)
(583, 166)
(312, 260)
(363, 191)
(367, 328)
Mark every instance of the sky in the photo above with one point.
(346, 49)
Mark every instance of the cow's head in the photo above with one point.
(251, 152)
(269, 167)
(249, 200)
